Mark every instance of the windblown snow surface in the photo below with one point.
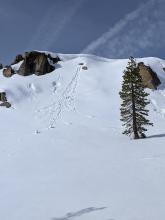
(62, 152)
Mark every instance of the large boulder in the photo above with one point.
(38, 63)
(42, 65)
(149, 77)
(8, 71)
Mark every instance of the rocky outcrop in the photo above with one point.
(1, 66)
(149, 77)
(8, 71)
(33, 62)
(38, 63)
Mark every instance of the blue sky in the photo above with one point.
(71, 26)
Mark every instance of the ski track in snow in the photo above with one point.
(64, 101)
(79, 213)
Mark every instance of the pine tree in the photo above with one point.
(134, 101)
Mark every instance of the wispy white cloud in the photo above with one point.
(137, 30)
(53, 23)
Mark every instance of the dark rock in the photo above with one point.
(53, 59)
(3, 100)
(149, 77)
(42, 65)
(36, 63)
(85, 68)
(18, 58)
(3, 97)
(5, 104)
(1, 66)
(8, 71)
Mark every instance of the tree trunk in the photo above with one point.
(135, 130)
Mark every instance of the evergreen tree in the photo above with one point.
(134, 101)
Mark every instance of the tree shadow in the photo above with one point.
(156, 136)
(79, 213)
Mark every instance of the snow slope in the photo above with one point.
(62, 154)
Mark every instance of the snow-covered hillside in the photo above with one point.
(63, 155)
